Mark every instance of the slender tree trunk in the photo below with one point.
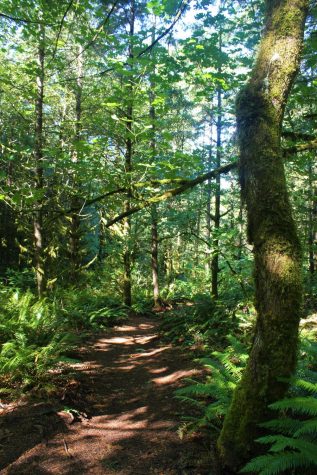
(208, 207)
(178, 253)
(271, 229)
(154, 214)
(208, 220)
(315, 227)
(154, 258)
(127, 286)
(74, 243)
(197, 232)
(312, 216)
(215, 242)
(169, 262)
(102, 238)
(240, 226)
(38, 232)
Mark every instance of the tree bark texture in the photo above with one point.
(271, 229)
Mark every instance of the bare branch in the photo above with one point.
(22, 20)
(181, 10)
(69, 6)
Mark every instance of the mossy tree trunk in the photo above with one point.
(271, 229)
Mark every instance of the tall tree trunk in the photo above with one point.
(154, 257)
(208, 211)
(240, 227)
(197, 232)
(154, 214)
(39, 178)
(127, 286)
(215, 242)
(312, 216)
(271, 229)
(74, 243)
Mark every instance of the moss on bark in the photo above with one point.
(271, 229)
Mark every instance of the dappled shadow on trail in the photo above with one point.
(129, 378)
(26, 426)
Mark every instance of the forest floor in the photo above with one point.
(124, 417)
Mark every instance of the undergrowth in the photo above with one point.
(205, 323)
(291, 440)
(211, 398)
(37, 337)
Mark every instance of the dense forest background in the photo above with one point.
(119, 180)
(101, 115)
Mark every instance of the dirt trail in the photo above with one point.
(128, 377)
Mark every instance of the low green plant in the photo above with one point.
(32, 341)
(37, 336)
(211, 398)
(293, 438)
(143, 307)
(107, 316)
(295, 428)
(203, 322)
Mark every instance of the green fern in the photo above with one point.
(36, 335)
(293, 446)
(211, 398)
(273, 464)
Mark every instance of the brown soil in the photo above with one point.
(127, 421)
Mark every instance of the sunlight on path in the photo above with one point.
(129, 378)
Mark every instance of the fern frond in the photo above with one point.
(280, 443)
(307, 427)
(298, 405)
(273, 464)
(284, 425)
(308, 386)
(215, 410)
(198, 389)
(191, 401)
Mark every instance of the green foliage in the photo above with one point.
(212, 397)
(89, 308)
(209, 400)
(203, 322)
(105, 317)
(33, 338)
(293, 444)
(37, 335)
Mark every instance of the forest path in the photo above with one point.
(128, 378)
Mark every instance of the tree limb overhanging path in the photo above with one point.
(185, 184)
